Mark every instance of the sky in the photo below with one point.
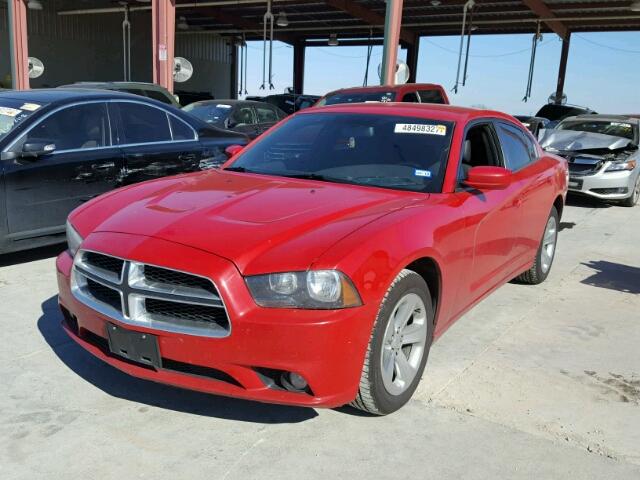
(603, 70)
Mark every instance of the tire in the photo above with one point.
(544, 260)
(632, 200)
(381, 393)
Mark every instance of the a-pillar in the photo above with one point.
(18, 46)
(163, 19)
(299, 48)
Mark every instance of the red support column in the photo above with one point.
(18, 46)
(392, 25)
(163, 18)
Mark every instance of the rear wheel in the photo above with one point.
(635, 195)
(546, 252)
(398, 347)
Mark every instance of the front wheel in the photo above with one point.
(545, 254)
(398, 347)
(632, 200)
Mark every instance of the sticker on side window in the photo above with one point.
(420, 128)
(9, 112)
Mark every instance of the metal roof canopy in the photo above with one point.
(314, 20)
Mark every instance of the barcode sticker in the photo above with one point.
(420, 128)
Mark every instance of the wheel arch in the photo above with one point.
(429, 270)
(559, 204)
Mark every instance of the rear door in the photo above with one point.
(534, 179)
(42, 191)
(155, 143)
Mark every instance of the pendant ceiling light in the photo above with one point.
(333, 40)
(182, 24)
(635, 7)
(282, 20)
(34, 5)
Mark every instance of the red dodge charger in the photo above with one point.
(317, 266)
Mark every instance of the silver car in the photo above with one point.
(603, 155)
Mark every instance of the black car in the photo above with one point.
(61, 147)
(242, 116)
(289, 103)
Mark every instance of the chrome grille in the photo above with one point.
(148, 295)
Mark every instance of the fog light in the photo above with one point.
(295, 382)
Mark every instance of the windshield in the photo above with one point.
(402, 153)
(12, 112)
(209, 112)
(357, 97)
(616, 129)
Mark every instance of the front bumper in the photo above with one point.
(604, 185)
(326, 347)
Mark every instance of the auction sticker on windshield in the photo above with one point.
(420, 128)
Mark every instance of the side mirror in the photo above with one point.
(488, 178)
(232, 150)
(37, 148)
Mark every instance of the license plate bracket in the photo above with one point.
(137, 347)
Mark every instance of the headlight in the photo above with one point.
(315, 289)
(620, 166)
(73, 239)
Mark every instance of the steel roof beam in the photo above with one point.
(542, 10)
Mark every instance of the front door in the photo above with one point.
(155, 143)
(41, 192)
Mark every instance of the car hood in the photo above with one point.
(260, 223)
(572, 141)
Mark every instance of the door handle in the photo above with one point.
(103, 166)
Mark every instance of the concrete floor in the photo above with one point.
(536, 382)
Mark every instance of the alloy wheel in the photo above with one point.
(548, 244)
(404, 343)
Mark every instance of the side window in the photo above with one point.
(156, 95)
(266, 115)
(515, 146)
(479, 149)
(411, 97)
(142, 124)
(431, 96)
(180, 130)
(242, 116)
(80, 126)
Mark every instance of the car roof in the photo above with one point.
(51, 95)
(605, 117)
(387, 88)
(231, 102)
(421, 110)
(146, 85)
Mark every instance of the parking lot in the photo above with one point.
(536, 382)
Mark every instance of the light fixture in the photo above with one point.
(333, 40)
(34, 5)
(182, 24)
(635, 7)
(282, 20)
(435, 3)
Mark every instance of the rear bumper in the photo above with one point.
(604, 185)
(326, 347)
